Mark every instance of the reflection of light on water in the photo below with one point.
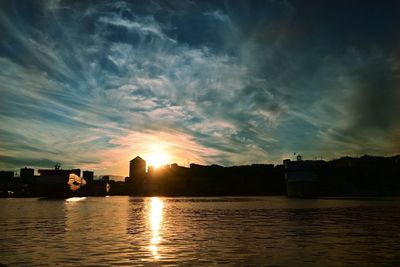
(155, 217)
(75, 199)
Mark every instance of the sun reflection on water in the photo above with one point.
(75, 199)
(155, 219)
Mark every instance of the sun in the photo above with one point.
(157, 159)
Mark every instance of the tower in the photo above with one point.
(137, 168)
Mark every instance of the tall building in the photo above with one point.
(26, 173)
(137, 168)
(88, 176)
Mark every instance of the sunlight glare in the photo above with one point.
(155, 218)
(157, 159)
(75, 199)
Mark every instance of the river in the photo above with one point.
(220, 231)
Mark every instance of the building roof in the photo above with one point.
(138, 159)
(45, 172)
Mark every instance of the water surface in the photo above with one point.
(231, 231)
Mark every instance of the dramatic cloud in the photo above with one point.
(93, 84)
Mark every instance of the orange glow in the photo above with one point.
(155, 219)
(157, 158)
(177, 147)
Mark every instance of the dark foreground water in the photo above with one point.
(259, 231)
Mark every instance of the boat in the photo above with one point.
(59, 183)
(301, 178)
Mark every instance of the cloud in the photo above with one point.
(11, 162)
(93, 84)
(218, 15)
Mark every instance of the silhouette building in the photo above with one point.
(59, 172)
(6, 177)
(88, 176)
(26, 173)
(137, 167)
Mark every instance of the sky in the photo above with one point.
(93, 84)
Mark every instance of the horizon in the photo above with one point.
(92, 84)
(188, 166)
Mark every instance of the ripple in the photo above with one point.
(125, 231)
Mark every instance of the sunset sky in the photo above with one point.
(93, 84)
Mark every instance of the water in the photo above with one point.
(255, 231)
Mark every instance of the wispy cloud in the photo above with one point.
(92, 85)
